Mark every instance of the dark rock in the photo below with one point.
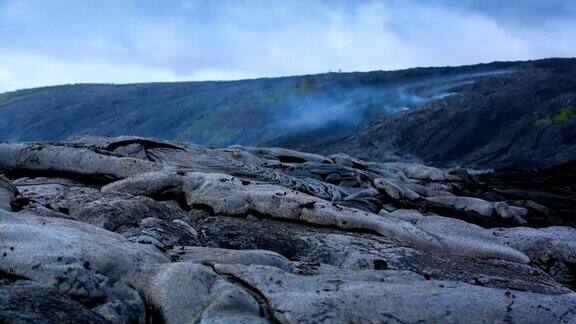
(27, 302)
(8, 193)
(501, 120)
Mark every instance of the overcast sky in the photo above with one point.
(47, 42)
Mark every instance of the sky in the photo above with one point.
(123, 41)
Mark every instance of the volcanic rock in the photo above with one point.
(139, 230)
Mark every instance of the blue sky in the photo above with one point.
(47, 42)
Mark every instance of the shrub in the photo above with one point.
(564, 115)
(306, 87)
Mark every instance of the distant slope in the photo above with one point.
(525, 119)
(224, 113)
(498, 114)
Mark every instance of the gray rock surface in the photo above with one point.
(395, 297)
(138, 230)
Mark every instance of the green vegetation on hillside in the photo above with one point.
(14, 94)
(305, 87)
(20, 94)
(226, 121)
(564, 115)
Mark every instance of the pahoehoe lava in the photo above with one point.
(140, 230)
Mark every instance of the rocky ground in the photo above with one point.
(138, 230)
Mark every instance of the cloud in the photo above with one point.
(25, 70)
(66, 41)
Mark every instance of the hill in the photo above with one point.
(522, 119)
(489, 115)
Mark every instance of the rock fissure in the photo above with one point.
(266, 310)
